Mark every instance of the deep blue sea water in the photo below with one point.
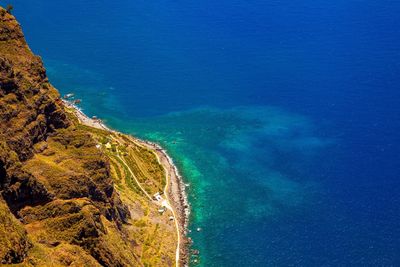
(284, 116)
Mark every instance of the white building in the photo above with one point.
(157, 196)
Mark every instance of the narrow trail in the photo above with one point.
(162, 203)
(134, 177)
(177, 256)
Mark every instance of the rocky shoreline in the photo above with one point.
(177, 193)
(177, 188)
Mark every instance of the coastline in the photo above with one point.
(176, 193)
(175, 188)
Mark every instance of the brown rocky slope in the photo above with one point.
(59, 212)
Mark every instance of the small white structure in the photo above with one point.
(161, 210)
(108, 145)
(98, 146)
(157, 196)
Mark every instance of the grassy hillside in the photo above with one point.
(66, 197)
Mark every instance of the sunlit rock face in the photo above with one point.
(57, 203)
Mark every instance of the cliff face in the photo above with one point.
(58, 204)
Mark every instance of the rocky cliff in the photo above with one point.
(58, 202)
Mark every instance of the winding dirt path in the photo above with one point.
(134, 177)
(178, 233)
(160, 203)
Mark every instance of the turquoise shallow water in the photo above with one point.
(229, 158)
(235, 162)
(283, 116)
(247, 165)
